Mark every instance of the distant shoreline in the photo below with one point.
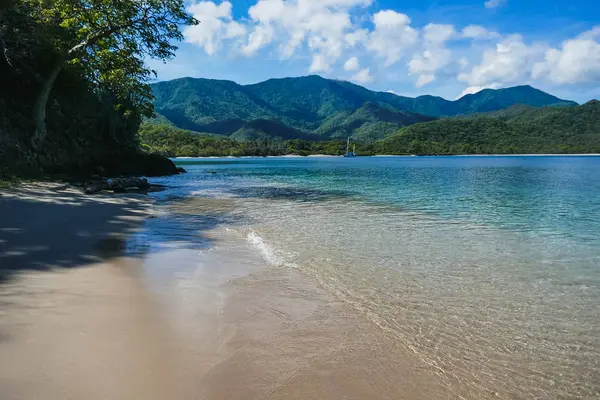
(396, 155)
(512, 155)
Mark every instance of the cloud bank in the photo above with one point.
(352, 40)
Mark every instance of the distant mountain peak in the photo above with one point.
(520, 86)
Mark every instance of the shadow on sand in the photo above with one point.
(47, 226)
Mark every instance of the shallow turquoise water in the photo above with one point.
(487, 268)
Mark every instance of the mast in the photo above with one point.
(348, 145)
(354, 149)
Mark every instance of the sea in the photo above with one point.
(486, 269)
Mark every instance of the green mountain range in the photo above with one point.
(517, 129)
(315, 108)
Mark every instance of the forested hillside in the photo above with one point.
(369, 122)
(74, 85)
(516, 130)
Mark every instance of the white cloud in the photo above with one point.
(428, 63)
(261, 36)
(319, 63)
(234, 29)
(326, 45)
(510, 62)
(208, 9)
(435, 55)
(424, 79)
(476, 89)
(514, 62)
(390, 19)
(363, 76)
(216, 26)
(289, 48)
(438, 34)
(494, 3)
(478, 32)
(344, 3)
(392, 36)
(267, 11)
(591, 34)
(576, 62)
(352, 64)
(356, 37)
(324, 26)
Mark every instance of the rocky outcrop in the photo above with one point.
(156, 165)
(117, 185)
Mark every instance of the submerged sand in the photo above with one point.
(289, 339)
(80, 321)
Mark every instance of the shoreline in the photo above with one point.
(176, 159)
(83, 321)
(257, 328)
(214, 315)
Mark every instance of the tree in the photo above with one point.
(108, 41)
(20, 36)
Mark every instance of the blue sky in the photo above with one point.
(445, 48)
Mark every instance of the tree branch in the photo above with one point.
(5, 51)
(106, 33)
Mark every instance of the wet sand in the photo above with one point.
(79, 321)
(289, 339)
(251, 330)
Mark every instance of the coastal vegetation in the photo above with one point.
(516, 130)
(173, 142)
(74, 83)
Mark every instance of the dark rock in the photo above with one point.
(157, 165)
(141, 183)
(117, 185)
(181, 170)
(94, 187)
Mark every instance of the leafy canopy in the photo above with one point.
(108, 40)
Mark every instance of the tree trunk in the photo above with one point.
(39, 108)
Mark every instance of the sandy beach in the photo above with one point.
(80, 321)
(76, 321)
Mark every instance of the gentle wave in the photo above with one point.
(276, 258)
